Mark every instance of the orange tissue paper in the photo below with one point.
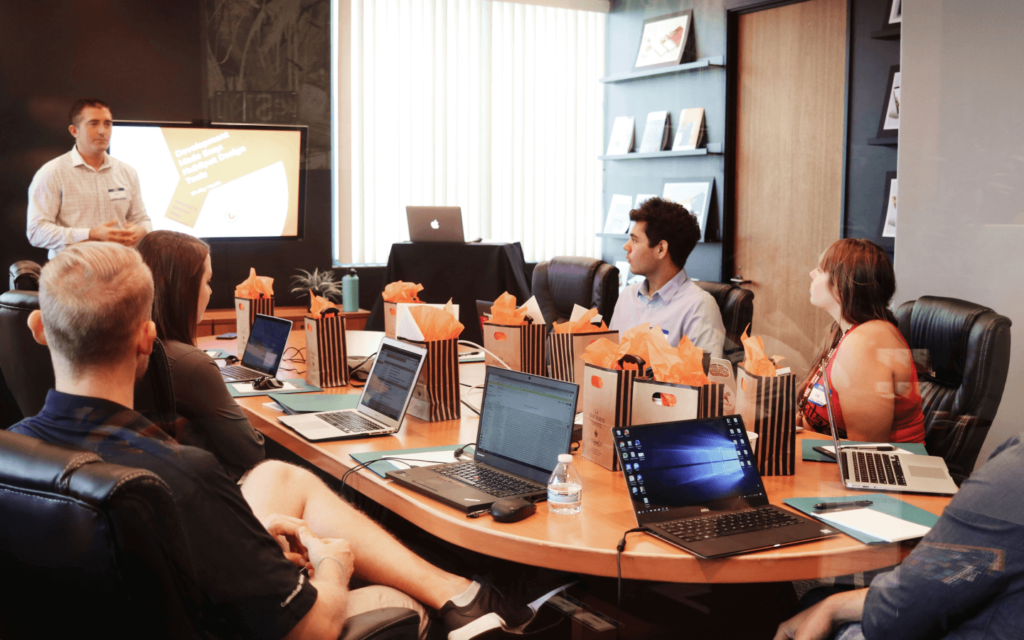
(255, 287)
(582, 325)
(755, 362)
(436, 324)
(402, 292)
(602, 353)
(504, 311)
(317, 305)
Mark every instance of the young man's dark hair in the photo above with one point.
(672, 223)
(82, 103)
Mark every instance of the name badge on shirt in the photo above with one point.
(118, 194)
(817, 396)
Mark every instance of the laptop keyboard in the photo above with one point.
(729, 524)
(495, 483)
(351, 422)
(877, 468)
(236, 372)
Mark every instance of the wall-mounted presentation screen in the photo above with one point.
(218, 182)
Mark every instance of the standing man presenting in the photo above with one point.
(85, 194)
(659, 244)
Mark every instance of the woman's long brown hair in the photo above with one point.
(176, 260)
(861, 277)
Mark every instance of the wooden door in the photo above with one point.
(788, 168)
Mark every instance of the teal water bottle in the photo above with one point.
(350, 292)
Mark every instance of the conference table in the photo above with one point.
(586, 542)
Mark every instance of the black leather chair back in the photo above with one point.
(28, 370)
(88, 546)
(962, 353)
(564, 281)
(737, 307)
(25, 275)
(26, 363)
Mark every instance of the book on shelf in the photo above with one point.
(691, 132)
(656, 132)
(618, 215)
(622, 138)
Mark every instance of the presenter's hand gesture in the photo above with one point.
(109, 232)
(335, 550)
(136, 231)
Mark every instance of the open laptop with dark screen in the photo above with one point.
(525, 422)
(695, 484)
(263, 352)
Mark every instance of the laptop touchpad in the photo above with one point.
(926, 472)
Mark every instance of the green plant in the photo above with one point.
(321, 283)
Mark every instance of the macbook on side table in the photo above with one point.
(435, 224)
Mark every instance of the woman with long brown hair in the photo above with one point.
(875, 393)
(182, 271)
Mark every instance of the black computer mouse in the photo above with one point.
(266, 383)
(231, 360)
(512, 510)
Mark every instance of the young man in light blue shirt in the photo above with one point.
(662, 239)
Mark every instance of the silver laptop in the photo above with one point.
(382, 405)
(264, 351)
(878, 471)
(435, 224)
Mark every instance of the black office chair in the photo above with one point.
(91, 546)
(962, 353)
(25, 275)
(563, 281)
(737, 307)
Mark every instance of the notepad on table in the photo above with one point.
(876, 524)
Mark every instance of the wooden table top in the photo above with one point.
(585, 542)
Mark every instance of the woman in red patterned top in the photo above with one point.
(875, 394)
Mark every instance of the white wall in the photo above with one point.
(960, 231)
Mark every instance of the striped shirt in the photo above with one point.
(68, 197)
(680, 307)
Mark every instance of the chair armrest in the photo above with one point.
(391, 623)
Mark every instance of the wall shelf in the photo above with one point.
(888, 33)
(713, 148)
(703, 63)
(890, 142)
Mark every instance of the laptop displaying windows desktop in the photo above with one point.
(382, 405)
(525, 423)
(267, 340)
(695, 484)
(878, 471)
(435, 224)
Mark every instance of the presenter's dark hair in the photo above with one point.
(82, 103)
(862, 278)
(671, 222)
(176, 260)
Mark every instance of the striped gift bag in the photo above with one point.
(521, 347)
(607, 403)
(768, 408)
(245, 314)
(326, 355)
(437, 394)
(655, 402)
(566, 349)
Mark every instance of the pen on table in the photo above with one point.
(837, 505)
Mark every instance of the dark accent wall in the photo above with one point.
(147, 60)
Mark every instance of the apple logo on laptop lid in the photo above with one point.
(434, 224)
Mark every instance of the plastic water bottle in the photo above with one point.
(565, 491)
(350, 292)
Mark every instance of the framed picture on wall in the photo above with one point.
(666, 41)
(889, 124)
(888, 228)
(693, 193)
(895, 11)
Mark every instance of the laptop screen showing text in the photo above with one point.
(527, 420)
(704, 464)
(266, 344)
(394, 374)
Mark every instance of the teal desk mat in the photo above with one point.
(381, 467)
(301, 403)
(810, 454)
(302, 387)
(884, 503)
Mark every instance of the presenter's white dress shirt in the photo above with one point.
(68, 197)
(680, 307)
